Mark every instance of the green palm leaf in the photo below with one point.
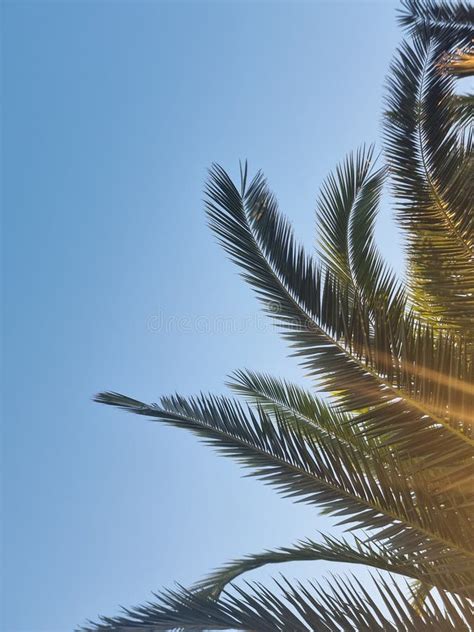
(346, 605)
(453, 19)
(361, 492)
(347, 209)
(311, 414)
(315, 317)
(298, 407)
(432, 175)
(389, 448)
(358, 551)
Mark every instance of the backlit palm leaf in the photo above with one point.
(431, 167)
(328, 332)
(388, 447)
(346, 482)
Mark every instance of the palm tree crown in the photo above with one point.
(387, 446)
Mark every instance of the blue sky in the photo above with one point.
(112, 114)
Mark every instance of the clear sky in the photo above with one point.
(112, 113)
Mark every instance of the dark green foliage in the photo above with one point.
(387, 448)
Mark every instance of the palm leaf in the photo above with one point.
(314, 315)
(345, 605)
(420, 592)
(333, 550)
(432, 175)
(298, 407)
(453, 19)
(392, 452)
(347, 209)
(363, 493)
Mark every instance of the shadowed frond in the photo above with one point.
(448, 19)
(357, 551)
(346, 213)
(297, 406)
(345, 482)
(345, 605)
(431, 168)
(390, 450)
(420, 592)
(331, 337)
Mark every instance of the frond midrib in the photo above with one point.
(374, 506)
(365, 369)
(469, 250)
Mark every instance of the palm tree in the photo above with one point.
(387, 445)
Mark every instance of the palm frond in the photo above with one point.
(347, 208)
(420, 592)
(313, 312)
(431, 169)
(463, 106)
(345, 605)
(357, 551)
(453, 18)
(365, 494)
(392, 452)
(297, 406)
